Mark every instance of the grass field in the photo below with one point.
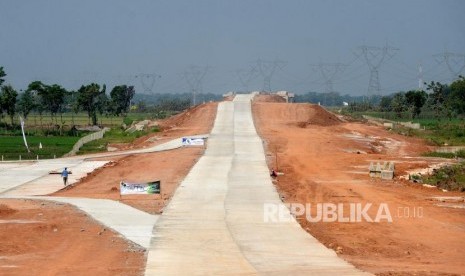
(81, 119)
(56, 143)
(13, 146)
(439, 132)
(115, 135)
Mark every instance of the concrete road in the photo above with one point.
(214, 224)
(133, 224)
(29, 178)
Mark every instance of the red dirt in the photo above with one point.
(47, 238)
(321, 165)
(268, 99)
(189, 122)
(79, 245)
(194, 121)
(170, 167)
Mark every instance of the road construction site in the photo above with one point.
(208, 219)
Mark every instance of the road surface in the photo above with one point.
(214, 224)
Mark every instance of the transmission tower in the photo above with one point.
(147, 81)
(246, 76)
(420, 77)
(329, 72)
(194, 76)
(374, 57)
(267, 69)
(455, 62)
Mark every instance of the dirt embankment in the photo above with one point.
(264, 98)
(327, 162)
(170, 167)
(193, 121)
(47, 238)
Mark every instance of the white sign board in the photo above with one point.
(192, 141)
(127, 188)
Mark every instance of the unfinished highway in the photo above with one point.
(214, 225)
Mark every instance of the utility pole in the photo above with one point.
(375, 57)
(147, 81)
(267, 69)
(455, 62)
(194, 76)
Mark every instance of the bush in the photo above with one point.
(439, 154)
(460, 153)
(127, 121)
(450, 178)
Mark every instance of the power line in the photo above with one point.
(375, 57)
(455, 62)
(329, 72)
(194, 76)
(147, 80)
(267, 69)
(246, 76)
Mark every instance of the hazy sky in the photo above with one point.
(77, 42)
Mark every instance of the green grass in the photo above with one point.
(436, 131)
(116, 135)
(81, 119)
(439, 154)
(13, 146)
(450, 178)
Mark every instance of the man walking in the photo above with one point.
(64, 174)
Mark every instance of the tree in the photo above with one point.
(457, 90)
(37, 88)
(90, 100)
(399, 104)
(103, 104)
(55, 99)
(26, 103)
(385, 104)
(72, 100)
(8, 101)
(121, 97)
(52, 97)
(2, 76)
(415, 100)
(437, 98)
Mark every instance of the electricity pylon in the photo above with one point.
(374, 57)
(267, 69)
(246, 76)
(455, 62)
(147, 81)
(194, 76)
(329, 72)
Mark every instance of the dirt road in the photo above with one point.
(325, 160)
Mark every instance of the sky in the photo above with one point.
(163, 46)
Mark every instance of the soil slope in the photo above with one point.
(327, 162)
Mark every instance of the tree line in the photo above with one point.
(55, 100)
(443, 100)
